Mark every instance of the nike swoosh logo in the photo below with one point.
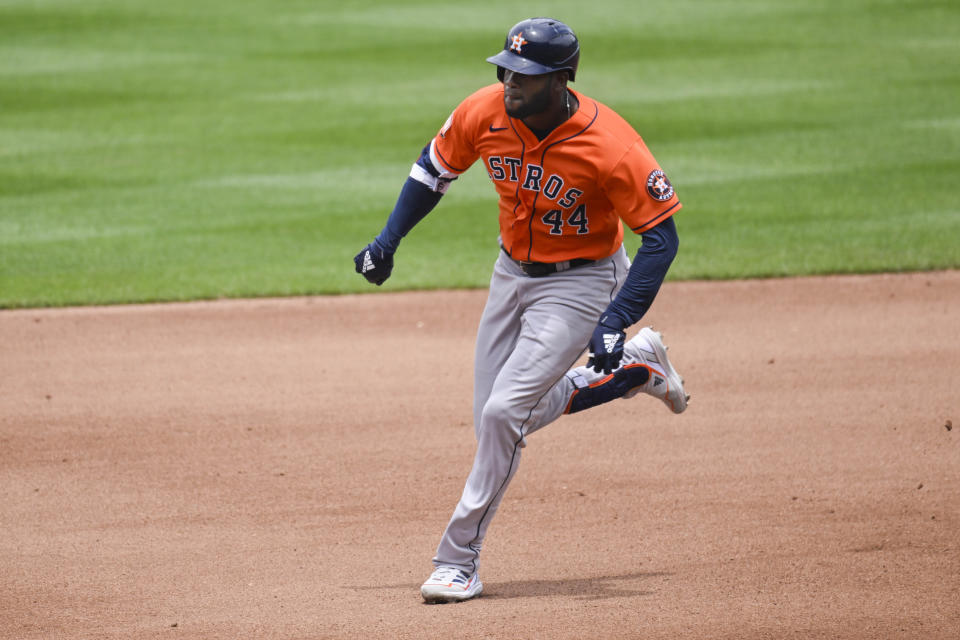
(493, 128)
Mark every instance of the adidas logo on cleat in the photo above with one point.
(665, 384)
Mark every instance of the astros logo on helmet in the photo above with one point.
(517, 41)
(536, 46)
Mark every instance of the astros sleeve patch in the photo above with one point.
(640, 190)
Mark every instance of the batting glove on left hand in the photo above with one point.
(374, 263)
(606, 348)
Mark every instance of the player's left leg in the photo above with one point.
(645, 368)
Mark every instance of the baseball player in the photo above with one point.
(569, 172)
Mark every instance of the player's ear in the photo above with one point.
(560, 79)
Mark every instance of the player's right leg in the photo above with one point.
(455, 576)
(497, 335)
(519, 360)
(449, 584)
(510, 409)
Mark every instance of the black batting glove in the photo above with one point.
(374, 263)
(606, 348)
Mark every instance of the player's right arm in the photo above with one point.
(439, 164)
(420, 194)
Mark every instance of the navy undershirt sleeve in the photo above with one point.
(416, 200)
(649, 268)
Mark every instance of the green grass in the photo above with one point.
(179, 150)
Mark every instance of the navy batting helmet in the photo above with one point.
(537, 46)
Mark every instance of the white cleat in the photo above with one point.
(449, 584)
(647, 349)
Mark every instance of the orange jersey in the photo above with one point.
(562, 197)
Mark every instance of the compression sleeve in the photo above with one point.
(649, 268)
(415, 202)
(419, 195)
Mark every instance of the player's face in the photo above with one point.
(525, 96)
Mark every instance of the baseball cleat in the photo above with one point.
(647, 349)
(449, 584)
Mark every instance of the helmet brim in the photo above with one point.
(519, 64)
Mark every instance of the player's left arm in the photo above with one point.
(649, 268)
(638, 186)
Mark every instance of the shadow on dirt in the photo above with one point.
(622, 586)
(599, 588)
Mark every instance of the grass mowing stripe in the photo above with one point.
(172, 150)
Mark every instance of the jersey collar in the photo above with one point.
(574, 124)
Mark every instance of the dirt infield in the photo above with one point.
(284, 469)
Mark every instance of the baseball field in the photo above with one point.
(210, 427)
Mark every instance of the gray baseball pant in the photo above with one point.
(531, 333)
